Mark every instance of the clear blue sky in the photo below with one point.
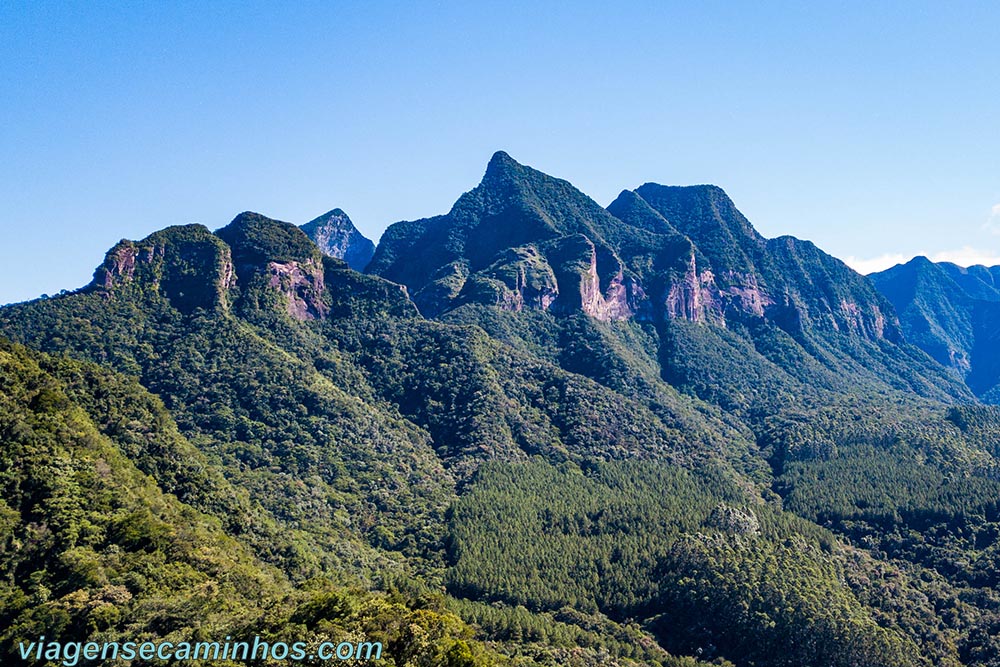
(871, 131)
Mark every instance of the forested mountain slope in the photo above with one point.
(952, 313)
(635, 435)
(114, 528)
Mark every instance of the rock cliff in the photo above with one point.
(336, 236)
(525, 240)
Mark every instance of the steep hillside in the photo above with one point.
(641, 435)
(934, 310)
(318, 397)
(336, 236)
(656, 259)
(953, 314)
(98, 541)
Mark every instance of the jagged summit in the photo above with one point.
(274, 266)
(186, 264)
(453, 259)
(599, 441)
(522, 239)
(504, 180)
(525, 239)
(337, 236)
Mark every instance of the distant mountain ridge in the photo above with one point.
(953, 314)
(337, 236)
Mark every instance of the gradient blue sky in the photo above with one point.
(874, 132)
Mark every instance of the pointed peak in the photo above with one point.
(501, 158)
(337, 237)
(625, 197)
(337, 214)
(633, 210)
(335, 218)
(502, 164)
(920, 260)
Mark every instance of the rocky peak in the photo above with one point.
(502, 166)
(336, 236)
(278, 255)
(592, 279)
(185, 264)
(505, 180)
(633, 210)
(464, 256)
(522, 239)
(118, 268)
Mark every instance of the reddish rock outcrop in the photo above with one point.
(302, 285)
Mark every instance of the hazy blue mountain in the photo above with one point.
(953, 314)
(337, 236)
(979, 282)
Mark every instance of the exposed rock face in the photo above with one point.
(336, 236)
(521, 240)
(831, 296)
(194, 268)
(563, 275)
(733, 520)
(859, 322)
(444, 288)
(187, 265)
(578, 274)
(278, 256)
(302, 285)
(119, 265)
(520, 278)
(745, 294)
(694, 296)
(524, 240)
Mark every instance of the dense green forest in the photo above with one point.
(535, 432)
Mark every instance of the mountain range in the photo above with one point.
(530, 431)
(953, 314)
